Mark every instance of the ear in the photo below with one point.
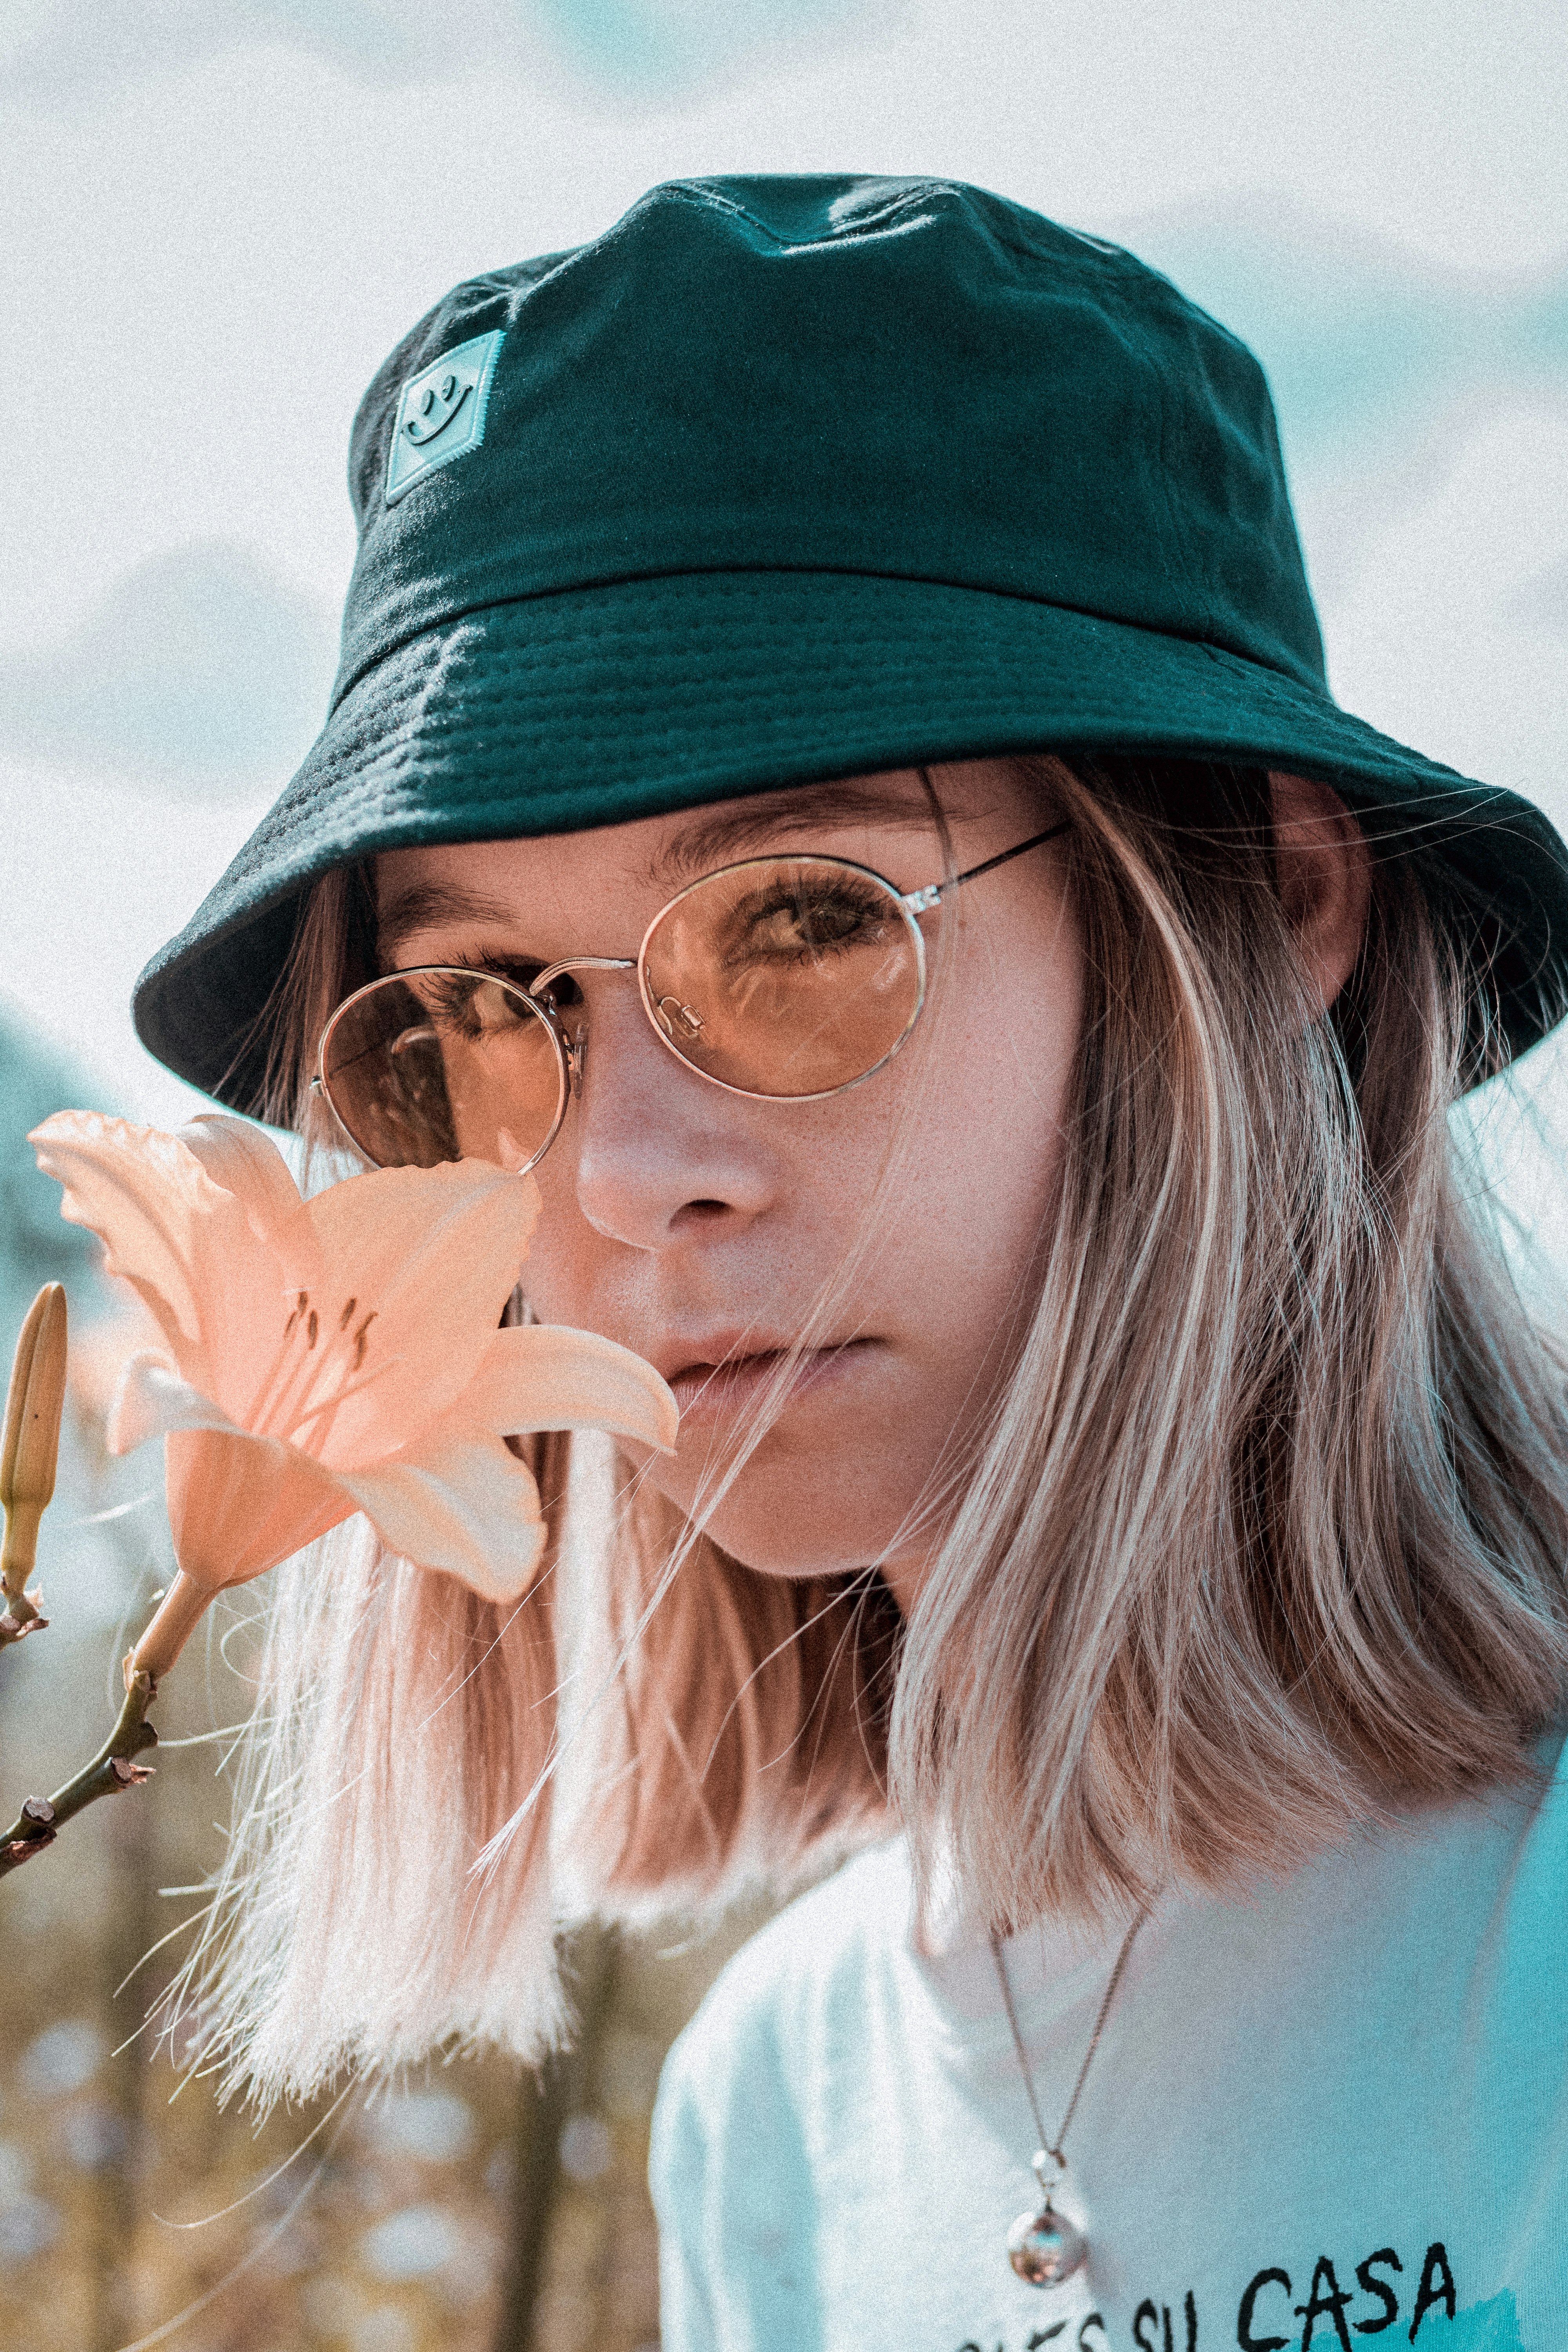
(1323, 868)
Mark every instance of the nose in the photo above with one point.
(658, 1152)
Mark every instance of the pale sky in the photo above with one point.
(218, 215)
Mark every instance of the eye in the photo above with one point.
(445, 997)
(812, 918)
(494, 1007)
(480, 1004)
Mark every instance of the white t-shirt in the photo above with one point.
(1333, 2112)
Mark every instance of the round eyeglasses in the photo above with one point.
(784, 978)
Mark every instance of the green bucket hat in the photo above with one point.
(787, 478)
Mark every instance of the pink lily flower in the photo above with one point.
(334, 1355)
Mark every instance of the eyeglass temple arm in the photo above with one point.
(917, 901)
(920, 902)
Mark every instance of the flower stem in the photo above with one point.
(112, 1768)
(175, 1620)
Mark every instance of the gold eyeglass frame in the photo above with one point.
(570, 1052)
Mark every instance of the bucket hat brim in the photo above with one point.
(582, 708)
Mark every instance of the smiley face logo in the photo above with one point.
(440, 413)
(437, 405)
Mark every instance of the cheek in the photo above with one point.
(559, 1275)
(974, 1109)
(983, 1158)
(948, 1288)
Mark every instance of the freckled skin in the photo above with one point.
(674, 1210)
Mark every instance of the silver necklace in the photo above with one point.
(1043, 2246)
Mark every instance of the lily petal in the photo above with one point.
(245, 1162)
(182, 1243)
(150, 1399)
(239, 1504)
(435, 1251)
(537, 1375)
(466, 1506)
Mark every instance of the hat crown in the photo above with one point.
(908, 378)
(787, 479)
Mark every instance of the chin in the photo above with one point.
(769, 1532)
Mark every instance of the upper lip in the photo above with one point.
(731, 1347)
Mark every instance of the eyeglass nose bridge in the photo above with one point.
(677, 1022)
(574, 1048)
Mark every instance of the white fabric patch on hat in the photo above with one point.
(441, 413)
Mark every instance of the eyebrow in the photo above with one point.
(712, 836)
(425, 904)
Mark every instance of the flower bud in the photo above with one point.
(33, 1407)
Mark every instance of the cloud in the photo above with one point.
(1362, 340)
(656, 47)
(1383, 365)
(62, 49)
(200, 674)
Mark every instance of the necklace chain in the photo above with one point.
(1050, 2148)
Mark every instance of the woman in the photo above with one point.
(832, 729)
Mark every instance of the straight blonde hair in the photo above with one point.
(1266, 1539)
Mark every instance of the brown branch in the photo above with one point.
(114, 1767)
(21, 1617)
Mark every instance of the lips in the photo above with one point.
(712, 1388)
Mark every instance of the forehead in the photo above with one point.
(633, 866)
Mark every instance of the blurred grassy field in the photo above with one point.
(474, 2210)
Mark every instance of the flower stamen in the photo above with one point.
(329, 1405)
(281, 1372)
(317, 1388)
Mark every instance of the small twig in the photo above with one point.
(13, 1627)
(114, 1767)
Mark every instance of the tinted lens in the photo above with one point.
(444, 1064)
(784, 975)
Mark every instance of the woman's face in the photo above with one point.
(701, 1227)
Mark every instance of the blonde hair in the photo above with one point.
(1266, 1539)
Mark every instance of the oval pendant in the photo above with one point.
(1046, 2248)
